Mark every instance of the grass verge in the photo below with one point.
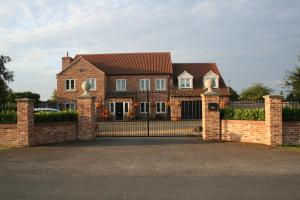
(291, 147)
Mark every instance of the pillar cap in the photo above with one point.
(24, 100)
(273, 96)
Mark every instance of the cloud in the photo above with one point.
(250, 40)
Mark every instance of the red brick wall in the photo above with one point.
(55, 132)
(291, 133)
(9, 135)
(244, 131)
(74, 72)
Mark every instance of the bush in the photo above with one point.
(291, 114)
(8, 117)
(55, 116)
(243, 114)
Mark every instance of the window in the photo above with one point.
(121, 84)
(92, 81)
(160, 107)
(185, 83)
(112, 107)
(126, 107)
(145, 107)
(145, 84)
(160, 84)
(70, 84)
(70, 106)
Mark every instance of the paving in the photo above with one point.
(149, 168)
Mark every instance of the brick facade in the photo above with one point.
(55, 132)
(210, 118)
(80, 71)
(291, 132)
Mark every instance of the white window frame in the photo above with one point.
(160, 107)
(89, 80)
(183, 77)
(185, 81)
(144, 102)
(114, 107)
(124, 111)
(70, 89)
(121, 81)
(145, 88)
(160, 80)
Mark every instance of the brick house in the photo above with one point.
(120, 83)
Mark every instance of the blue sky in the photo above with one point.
(251, 41)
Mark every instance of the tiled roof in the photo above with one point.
(198, 70)
(131, 63)
(196, 92)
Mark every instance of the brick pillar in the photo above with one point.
(210, 118)
(25, 117)
(86, 118)
(273, 119)
(175, 110)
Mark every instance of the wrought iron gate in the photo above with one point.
(148, 113)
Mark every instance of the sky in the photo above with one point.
(250, 40)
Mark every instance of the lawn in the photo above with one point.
(2, 148)
(291, 147)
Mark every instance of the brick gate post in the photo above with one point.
(273, 119)
(25, 120)
(211, 116)
(86, 114)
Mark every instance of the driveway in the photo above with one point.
(149, 168)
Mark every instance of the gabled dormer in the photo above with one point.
(185, 80)
(214, 77)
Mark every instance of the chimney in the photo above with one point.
(66, 61)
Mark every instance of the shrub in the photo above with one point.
(243, 113)
(291, 114)
(55, 116)
(8, 117)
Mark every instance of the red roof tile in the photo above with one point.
(131, 63)
(196, 92)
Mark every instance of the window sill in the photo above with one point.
(70, 90)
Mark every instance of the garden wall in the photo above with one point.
(291, 132)
(250, 131)
(9, 135)
(55, 132)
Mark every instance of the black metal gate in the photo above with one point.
(148, 113)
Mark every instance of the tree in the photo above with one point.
(6, 76)
(19, 95)
(53, 97)
(291, 82)
(233, 94)
(255, 92)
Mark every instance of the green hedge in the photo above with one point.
(55, 116)
(291, 114)
(243, 113)
(8, 117)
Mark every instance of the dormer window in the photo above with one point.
(214, 78)
(185, 80)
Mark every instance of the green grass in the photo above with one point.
(3, 148)
(291, 147)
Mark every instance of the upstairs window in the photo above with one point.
(185, 83)
(92, 81)
(160, 84)
(121, 85)
(145, 84)
(70, 84)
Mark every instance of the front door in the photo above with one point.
(119, 111)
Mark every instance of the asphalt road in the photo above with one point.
(149, 168)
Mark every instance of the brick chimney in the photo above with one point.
(66, 61)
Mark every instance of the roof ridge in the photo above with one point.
(122, 53)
